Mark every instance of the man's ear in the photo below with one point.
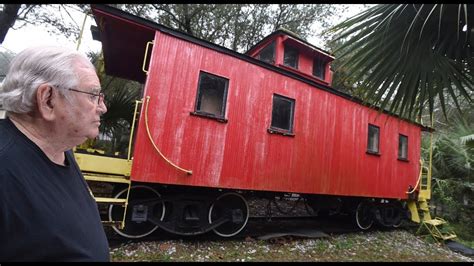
(46, 98)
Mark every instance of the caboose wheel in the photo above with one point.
(398, 223)
(363, 215)
(233, 207)
(393, 214)
(135, 228)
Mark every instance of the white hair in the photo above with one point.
(34, 66)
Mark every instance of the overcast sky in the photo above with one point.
(17, 40)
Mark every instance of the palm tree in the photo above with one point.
(453, 152)
(453, 169)
(407, 56)
(120, 96)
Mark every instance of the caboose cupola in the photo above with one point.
(286, 50)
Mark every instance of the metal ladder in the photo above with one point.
(106, 178)
(104, 169)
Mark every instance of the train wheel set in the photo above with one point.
(225, 213)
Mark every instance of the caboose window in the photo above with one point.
(211, 95)
(290, 57)
(282, 114)
(268, 53)
(373, 139)
(319, 67)
(402, 147)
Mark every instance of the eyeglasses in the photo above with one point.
(99, 96)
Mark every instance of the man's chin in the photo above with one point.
(93, 135)
(86, 139)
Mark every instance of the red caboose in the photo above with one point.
(216, 126)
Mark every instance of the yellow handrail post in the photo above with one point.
(430, 164)
(82, 30)
(132, 129)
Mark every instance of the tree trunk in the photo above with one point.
(7, 19)
(187, 20)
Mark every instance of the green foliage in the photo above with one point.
(447, 197)
(464, 232)
(409, 55)
(342, 78)
(453, 155)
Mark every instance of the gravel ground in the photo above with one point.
(399, 245)
(376, 246)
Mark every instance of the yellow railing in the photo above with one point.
(132, 129)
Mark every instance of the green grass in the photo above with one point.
(464, 233)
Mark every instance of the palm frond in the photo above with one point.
(409, 55)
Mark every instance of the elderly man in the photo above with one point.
(53, 102)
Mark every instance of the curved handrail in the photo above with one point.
(189, 172)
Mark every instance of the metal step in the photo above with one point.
(111, 201)
(435, 222)
(107, 178)
(111, 222)
(433, 226)
(449, 236)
